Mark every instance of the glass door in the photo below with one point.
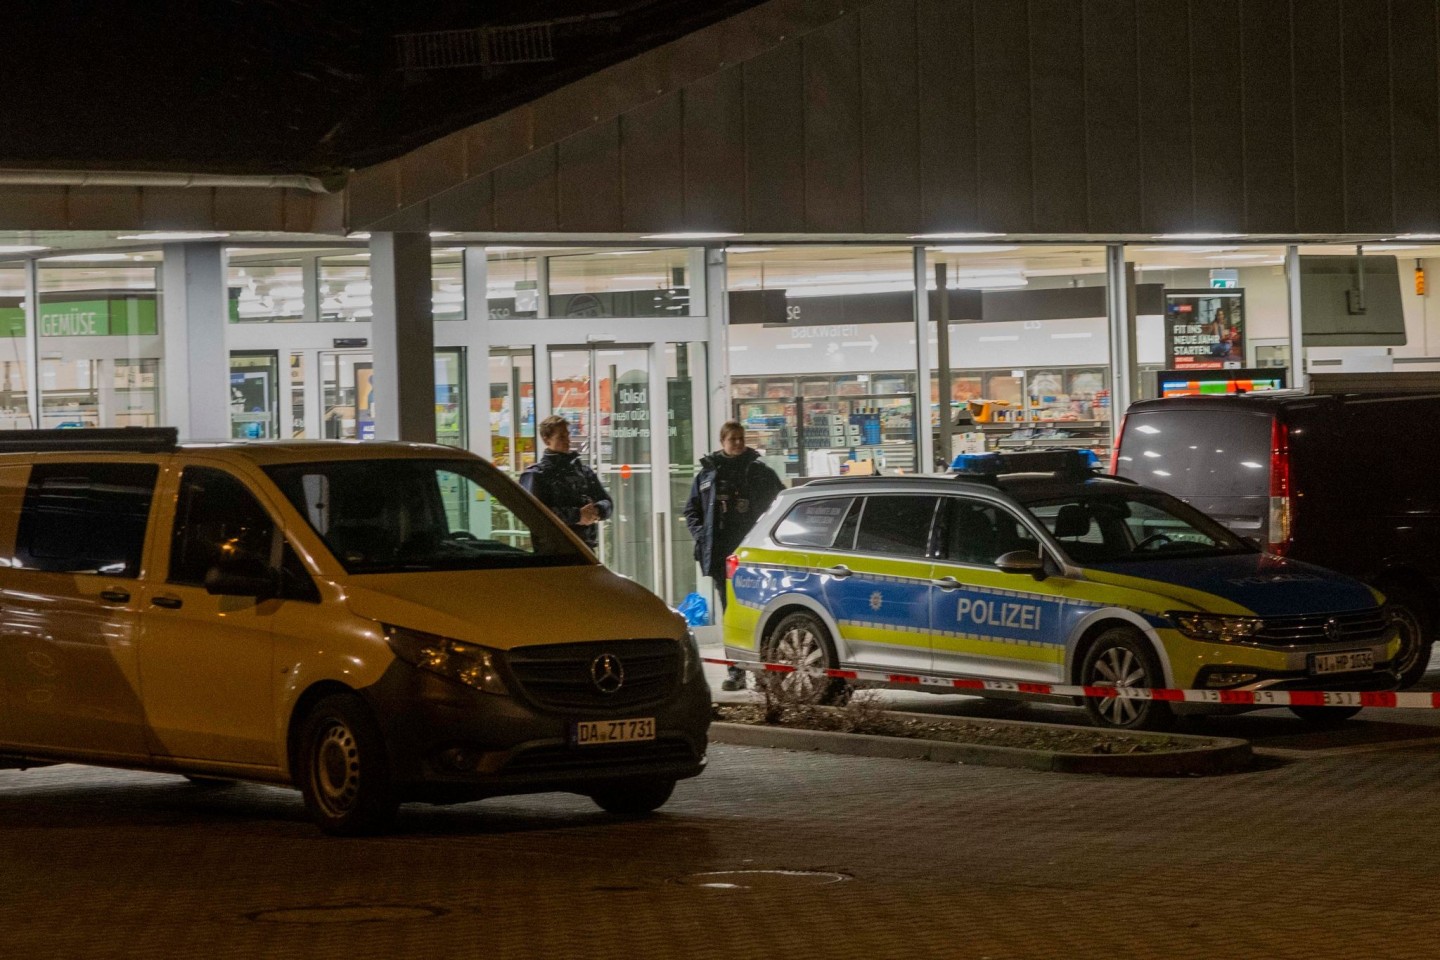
(347, 387)
(604, 393)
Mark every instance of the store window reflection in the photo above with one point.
(687, 424)
(620, 283)
(99, 346)
(349, 391)
(255, 395)
(1028, 346)
(14, 366)
(822, 357)
(266, 292)
(512, 284)
(512, 409)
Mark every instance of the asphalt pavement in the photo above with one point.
(1325, 851)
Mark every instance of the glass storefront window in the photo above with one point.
(620, 283)
(297, 395)
(512, 409)
(99, 346)
(513, 287)
(345, 287)
(348, 395)
(266, 292)
(255, 395)
(447, 282)
(687, 416)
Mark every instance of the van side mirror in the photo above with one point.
(1022, 561)
(243, 577)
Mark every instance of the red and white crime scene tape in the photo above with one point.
(1260, 698)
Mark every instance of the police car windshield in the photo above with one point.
(405, 516)
(1118, 526)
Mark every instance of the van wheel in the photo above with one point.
(1120, 657)
(342, 769)
(1324, 716)
(634, 799)
(802, 641)
(1414, 657)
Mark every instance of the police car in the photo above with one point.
(1031, 567)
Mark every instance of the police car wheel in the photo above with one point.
(802, 641)
(1324, 716)
(342, 768)
(1414, 657)
(1120, 657)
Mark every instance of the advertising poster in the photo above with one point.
(1204, 329)
(365, 401)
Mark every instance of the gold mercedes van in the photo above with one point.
(373, 623)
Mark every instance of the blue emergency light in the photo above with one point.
(1067, 463)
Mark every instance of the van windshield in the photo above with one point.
(1198, 453)
(394, 516)
(1126, 526)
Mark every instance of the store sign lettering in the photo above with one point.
(834, 330)
(72, 322)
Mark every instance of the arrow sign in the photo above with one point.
(872, 343)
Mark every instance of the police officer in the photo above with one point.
(566, 484)
(731, 491)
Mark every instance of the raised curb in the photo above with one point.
(1209, 755)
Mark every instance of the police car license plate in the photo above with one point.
(586, 733)
(1346, 662)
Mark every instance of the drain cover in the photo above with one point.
(761, 879)
(346, 913)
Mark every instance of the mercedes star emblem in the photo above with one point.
(607, 672)
(1333, 629)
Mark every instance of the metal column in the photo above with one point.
(924, 441)
(32, 339)
(1299, 376)
(717, 312)
(402, 337)
(1120, 310)
(476, 282)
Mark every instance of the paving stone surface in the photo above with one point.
(1330, 856)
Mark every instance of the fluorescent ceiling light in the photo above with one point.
(1239, 256)
(357, 236)
(991, 282)
(1387, 245)
(173, 235)
(442, 233)
(976, 248)
(1203, 249)
(999, 339)
(1162, 266)
(1195, 236)
(21, 248)
(748, 249)
(88, 256)
(1417, 236)
(960, 235)
(688, 235)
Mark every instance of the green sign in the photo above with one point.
(111, 317)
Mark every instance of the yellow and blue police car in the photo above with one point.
(1033, 568)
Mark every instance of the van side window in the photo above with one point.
(896, 526)
(85, 517)
(812, 523)
(215, 516)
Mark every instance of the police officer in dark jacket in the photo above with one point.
(566, 484)
(731, 491)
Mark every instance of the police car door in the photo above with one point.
(877, 585)
(984, 622)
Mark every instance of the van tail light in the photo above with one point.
(1281, 496)
(732, 563)
(1115, 447)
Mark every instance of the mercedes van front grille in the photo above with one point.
(614, 675)
(1356, 627)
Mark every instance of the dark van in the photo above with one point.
(1342, 480)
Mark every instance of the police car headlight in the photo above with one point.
(1217, 628)
(689, 657)
(464, 663)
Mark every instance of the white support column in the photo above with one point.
(402, 337)
(477, 350)
(924, 439)
(1299, 376)
(195, 392)
(32, 340)
(717, 313)
(1122, 333)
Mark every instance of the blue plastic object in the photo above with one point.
(695, 609)
(1064, 462)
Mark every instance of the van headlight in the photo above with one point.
(464, 663)
(1217, 628)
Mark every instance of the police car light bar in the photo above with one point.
(1067, 463)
